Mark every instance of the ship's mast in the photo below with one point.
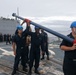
(18, 15)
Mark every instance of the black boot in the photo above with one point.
(14, 72)
(30, 72)
(37, 72)
(25, 69)
(47, 57)
(42, 57)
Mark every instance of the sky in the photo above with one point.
(38, 8)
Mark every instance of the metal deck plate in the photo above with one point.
(51, 67)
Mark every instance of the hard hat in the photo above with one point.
(37, 27)
(19, 27)
(73, 25)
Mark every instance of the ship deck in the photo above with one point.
(51, 67)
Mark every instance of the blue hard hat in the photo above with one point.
(73, 25)
(37, 27)
(19, 27)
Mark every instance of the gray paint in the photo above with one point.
(7, 26)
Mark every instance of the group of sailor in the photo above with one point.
(38, 42)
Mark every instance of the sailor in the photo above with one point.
(69, 64)
(27, 44)
(34, 50)
(19, 48)
(8, 39)
(44, 46)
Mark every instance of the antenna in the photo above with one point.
(18, 15)
(18, 11)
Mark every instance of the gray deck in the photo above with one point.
(51, 67)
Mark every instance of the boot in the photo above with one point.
(25, 69)
(29, 73)
(47, 57)
(17, 69)
(14, 72)
(42, 57)
(37, 72)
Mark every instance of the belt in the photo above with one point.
(22, 47)
(74, 59)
